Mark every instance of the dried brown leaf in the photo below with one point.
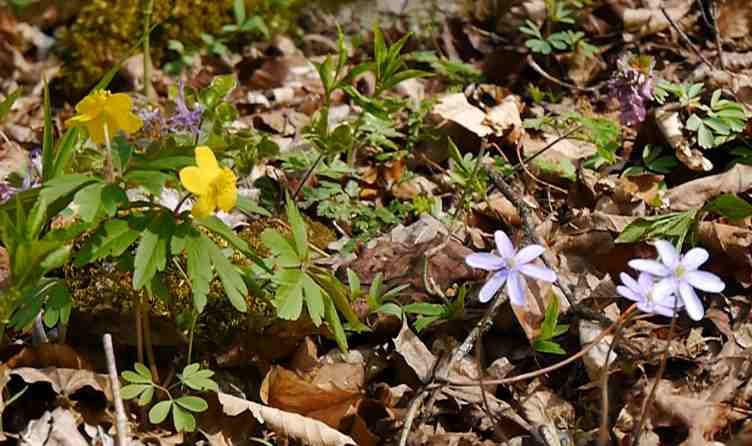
(694, 194)
(292, 425)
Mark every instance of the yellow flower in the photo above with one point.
(214, 185)
(102, 108)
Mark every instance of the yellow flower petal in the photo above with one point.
(119, 115)
(204, 206)
(192, 180)
(93, 104)
(95, 128)
(226, 190)
(206, 161)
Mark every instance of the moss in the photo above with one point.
(105, 30)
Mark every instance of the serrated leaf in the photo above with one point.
(198, 266)
(289, 297)
(192, 403)
(231, 279)
(298, 229)
(159, 411)
(287, 256)
(151, 254)
(313, 299)
(112, 239)
(705, 137)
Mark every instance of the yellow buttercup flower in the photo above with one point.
(102, 108)
(214, 185)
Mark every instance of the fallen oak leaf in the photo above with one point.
(292, 425)
(694, 194)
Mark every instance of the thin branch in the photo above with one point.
(307, 175)
(121, 422)
(686, 39)
(603, 434)
(534, 65)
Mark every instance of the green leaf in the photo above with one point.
(133, 390)
(232, 281)
(298, 229)
(146, 396)
(548, 347)
(89, 200)
(8, 102)
(730, 206)
(218, 227)
(151, 254)
(199, 268)
(674, 225)
(425, 309)
(64, 185)
(192, 403)
(248, 206)
(313, 299)
(705, 137)
(134, 377)
(374, 292)
(238, 8)
(152, 181)
(281, 248)
(113, 197)
(289, 297)
(335, 324)
(424, 321)
(223, 84)
(550, 319)
(65, 149)
(183, 420)
(112, 239)
(354, 281)
(48, 138)
(159, 412)
(390, 308)
(142, 370)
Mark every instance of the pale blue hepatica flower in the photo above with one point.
(509, 266)
(680, 275)
(642, 292)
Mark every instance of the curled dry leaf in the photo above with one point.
(500, 120)
(65, 381)
(670, 126)
(56, 428)
(309, 431)
(731, 247)
(414, 352)
(694, 194)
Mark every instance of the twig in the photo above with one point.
(603, 434)
(534, 65)
(415, 406)
(717, 34)
(307, 175)
(149, 347)
(547, 147)
(657, 379)
(535, 178)
(121, 422)
(551, 368)
(686, 39)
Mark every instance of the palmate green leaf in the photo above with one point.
(705, 137)
(159, 412)
(89, 201)
(730, 206)
(133, 390)
(198, 379)
(184, 421)
(232, 280)
(289, 297)
(135, 378)
(281, 248)
(112, 239)
(61, 186)
(218, 227)
(146, 397)
(151, 254)
(674, 225)
(152, 181)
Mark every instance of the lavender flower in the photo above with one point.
(184, 119)
(153, 121)
(642, 291)
(632, 86)
(680, 274)
(509, 266)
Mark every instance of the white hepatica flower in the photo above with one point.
(509, 266)
(680, 275)
(642, 291)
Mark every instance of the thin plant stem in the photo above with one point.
(603, 434)
(307, 175)
(148, 87)
(121, 422)
(109, 167)
(190, 336)
(657, 379)
(139, 332)
(551, 368)
(149, 347)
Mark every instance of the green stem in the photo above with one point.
(307, 175)
(148, 87)
(109, 167)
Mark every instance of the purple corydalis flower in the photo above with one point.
(632, 86)
(184, 119)
(509, 266)
(680, 275)
(642, 291)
